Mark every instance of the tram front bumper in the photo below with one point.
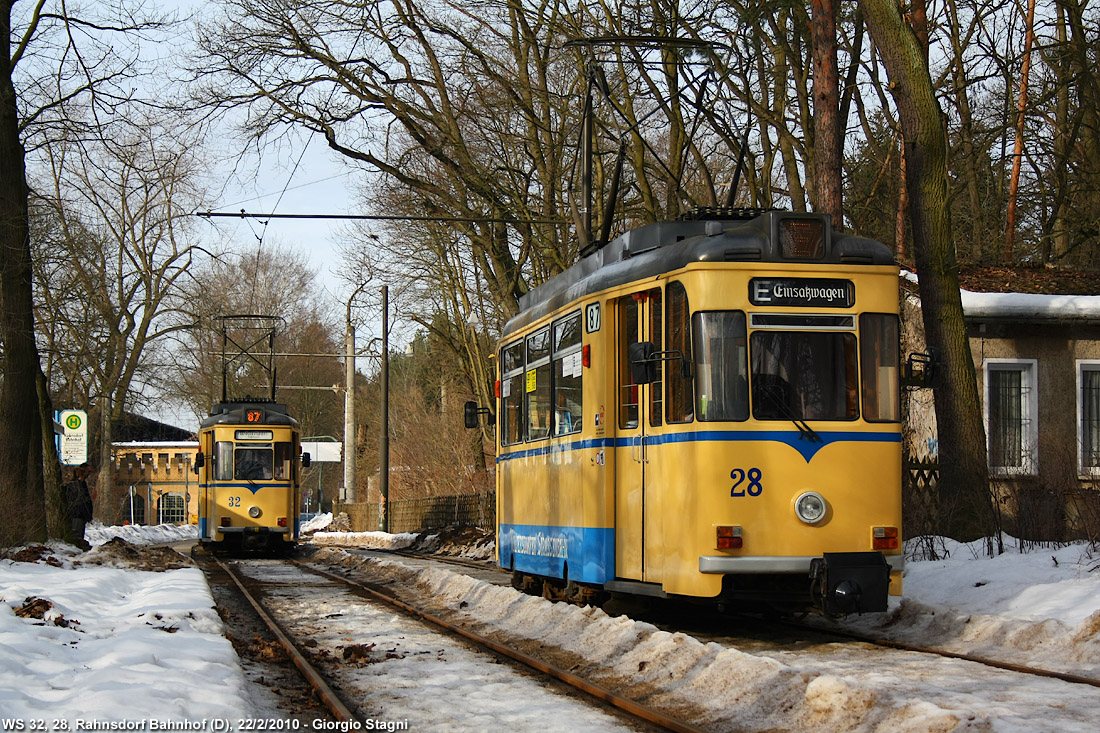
(840, 582)
(253, 530)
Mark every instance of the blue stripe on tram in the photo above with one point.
(800, 442)
(545, 550)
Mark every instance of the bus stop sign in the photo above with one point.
(73, 448)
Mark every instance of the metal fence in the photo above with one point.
(413, 515)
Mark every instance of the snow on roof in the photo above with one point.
(1024, 305)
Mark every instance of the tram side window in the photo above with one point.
(511, 394)
(656, 331)
(223, 460)
(678, 397)
(284, 456)
(537, 385)
(721, 384)
(878, 361)
(568, 372)
(628, 334)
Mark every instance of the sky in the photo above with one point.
(125, 644)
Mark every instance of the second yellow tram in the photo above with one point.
(708, 408)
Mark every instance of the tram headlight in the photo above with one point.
(810, 507)
(254, 512)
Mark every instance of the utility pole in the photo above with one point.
(349, 406)
(384, 435)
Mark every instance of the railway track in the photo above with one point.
(344, 710)
(841, 634)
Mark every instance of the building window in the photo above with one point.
(1088, 417)
(133, 508)
(171, 509)
(1011, 416)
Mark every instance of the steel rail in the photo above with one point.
(331, 700)
(634, 708)
(903, 646)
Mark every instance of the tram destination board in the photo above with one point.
(802, 292)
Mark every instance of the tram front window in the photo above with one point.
(254, 464)
(799, 375)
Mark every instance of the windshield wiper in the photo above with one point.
(805, 432)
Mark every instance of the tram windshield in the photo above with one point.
(253, 462)
(799, 375)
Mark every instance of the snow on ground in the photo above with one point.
(1040, 607)
(82, 642)
(106, 643)
(96, 534)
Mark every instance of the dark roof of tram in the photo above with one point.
(652, 250)
(233, 413)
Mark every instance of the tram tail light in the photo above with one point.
(586, 355)
(282, 521)
(884, 538)
(729, 538)
(496, 389)
(225, 521)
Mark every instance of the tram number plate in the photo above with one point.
(592, 318)
(753, 477)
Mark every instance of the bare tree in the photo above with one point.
(55, 61)
(964, 474)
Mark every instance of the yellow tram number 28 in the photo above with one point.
(754, 477)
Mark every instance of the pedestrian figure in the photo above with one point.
(79, 502)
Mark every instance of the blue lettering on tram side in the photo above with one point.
(545, 550)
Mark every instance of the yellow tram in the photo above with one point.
(707, 408)
(248, 467)
(250, 453)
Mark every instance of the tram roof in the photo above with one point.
(655, 249)
(235, 413)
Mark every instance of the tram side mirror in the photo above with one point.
(920, 370)
(200, 461)
(470, 414)
(643, 365)
(305, 460)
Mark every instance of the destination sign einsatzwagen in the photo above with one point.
(802, 292)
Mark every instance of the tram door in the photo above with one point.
(638, 410)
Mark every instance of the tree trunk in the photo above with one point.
(828, 178)
(1018, 146)
(22, 498)
(966, 506)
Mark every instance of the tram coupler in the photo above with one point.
(850, 582)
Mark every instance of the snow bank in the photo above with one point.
(96, 533)
(106, 644)
(719, 686)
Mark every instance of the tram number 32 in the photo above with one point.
(752, 488)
